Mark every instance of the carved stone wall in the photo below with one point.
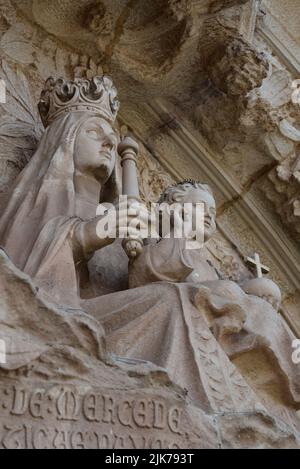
(234, 89)
(215, 100)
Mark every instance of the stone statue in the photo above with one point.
(178, 317)
(48, 219)
(176, 281)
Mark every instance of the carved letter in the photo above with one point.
(67, 405)
(140, 413)
(159, 415)
(124, 413)
(20, 401)
(36, 438)
(90, 407)
(174, 419)
(35, 404)
(109, 405)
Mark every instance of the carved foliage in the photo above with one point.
(153, 179)
(20, 126)
(98, 20)
(238, 68)
(28, 57)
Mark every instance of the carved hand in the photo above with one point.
(117, 222)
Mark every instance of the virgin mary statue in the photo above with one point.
(178, 314)
(43, 217)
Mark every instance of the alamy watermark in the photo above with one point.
(2, 91)
(296, 353)
(296, 92)
(161, 221)
(2, 352)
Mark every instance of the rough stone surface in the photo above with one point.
(66, 398)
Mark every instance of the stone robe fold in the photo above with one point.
(171, 323)
(40, 212)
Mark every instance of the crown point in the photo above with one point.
(97, 95)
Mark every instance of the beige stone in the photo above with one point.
(207, 92)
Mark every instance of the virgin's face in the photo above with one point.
(95, 149)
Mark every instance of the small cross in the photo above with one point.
(260, 268)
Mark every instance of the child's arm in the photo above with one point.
(160, 262)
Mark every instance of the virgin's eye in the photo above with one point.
(93, 134)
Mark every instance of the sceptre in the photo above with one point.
(128, 150)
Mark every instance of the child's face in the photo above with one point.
(197, 196)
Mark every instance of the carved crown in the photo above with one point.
(97, 95)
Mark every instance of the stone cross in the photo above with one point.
(260, 268)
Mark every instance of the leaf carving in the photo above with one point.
(20, 125)
(16, 44)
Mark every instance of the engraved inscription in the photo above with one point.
(66, 417)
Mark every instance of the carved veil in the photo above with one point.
(39, 211)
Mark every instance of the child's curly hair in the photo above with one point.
(176, 192)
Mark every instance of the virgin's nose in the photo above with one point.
(108, 144)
